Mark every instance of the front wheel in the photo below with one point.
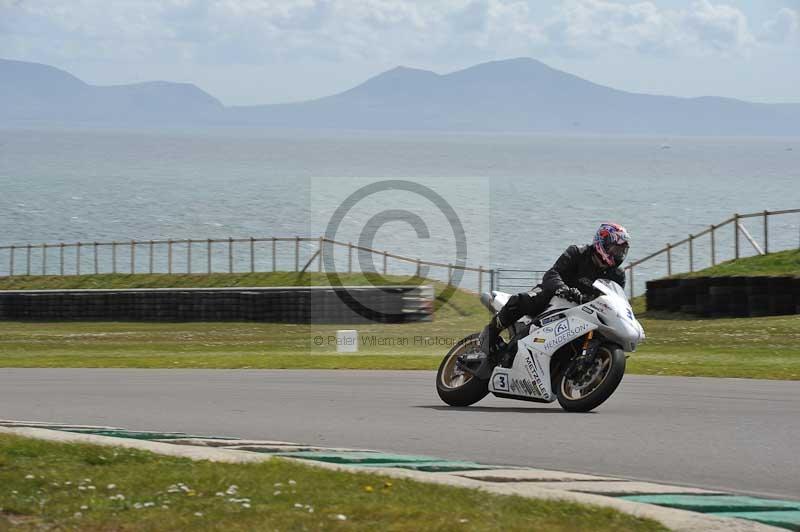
(585, 392)
(455, 386)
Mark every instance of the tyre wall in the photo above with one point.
(285, 304)
(725, 297)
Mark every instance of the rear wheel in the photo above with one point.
(585, 392)
(455, 386)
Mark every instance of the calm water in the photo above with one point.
(520, 199)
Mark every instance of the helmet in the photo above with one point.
(611, 244)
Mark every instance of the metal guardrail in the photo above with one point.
(738, 230)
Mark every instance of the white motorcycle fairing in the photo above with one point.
(529, 376)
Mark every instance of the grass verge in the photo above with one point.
(780, 263)
(65, 486)
(766, 348)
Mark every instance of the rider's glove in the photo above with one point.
(570, 294)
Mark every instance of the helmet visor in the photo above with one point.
(618, 252)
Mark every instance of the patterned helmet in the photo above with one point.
(611, 243)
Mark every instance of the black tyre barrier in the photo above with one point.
(726, 297)
(282, 305)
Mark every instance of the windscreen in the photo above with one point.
(609, 288)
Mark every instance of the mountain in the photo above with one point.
(515, 95)
(32, 92)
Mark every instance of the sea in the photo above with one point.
(509, 202)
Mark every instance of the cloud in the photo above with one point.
(590, 25)
(435, 31)
(784, 28)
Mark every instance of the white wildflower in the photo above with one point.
(219, 494)
(77, 514)
(245, 505)
(111, 486)
(29, 477)
(276, 493)
(292, 482)
(199, 514)
(298, 505)
(84, 507)
(341, 517)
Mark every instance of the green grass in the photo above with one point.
(781, 263)
(73, 486)
(767, 348)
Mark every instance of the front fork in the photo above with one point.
(581, 363)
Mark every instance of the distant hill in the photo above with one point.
(32, 92)
(516, 95)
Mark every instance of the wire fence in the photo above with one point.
(230, 255)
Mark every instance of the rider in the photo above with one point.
(571, 277)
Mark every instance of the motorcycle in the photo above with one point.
(573, 353)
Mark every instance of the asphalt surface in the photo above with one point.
(729, 434)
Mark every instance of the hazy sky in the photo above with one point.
(263, 51)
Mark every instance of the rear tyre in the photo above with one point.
(454, 386)
(591, 392)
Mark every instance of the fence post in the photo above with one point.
(189, 256)
(230, 254)
(491, 279)
(736, 235)
(669, 259)
(631, 281)
(61, 259)
(114, 257)
(419, 267)
(169, 256)
(480, 278)
(208, 255)
(252, 255)
(449, 274)
(766, 232)
(384, 263)
(319, 261)
(713, 247)
(133, 256)
(349, 257)
(44, 259)
(11, 261)
(28, 261)
(150, 259)
(273, 254)
(297, 253)
(691, 253)
(94, 257)
(78, 258)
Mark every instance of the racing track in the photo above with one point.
(728, 434)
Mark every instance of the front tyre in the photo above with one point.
(455, 386)
(582, 393)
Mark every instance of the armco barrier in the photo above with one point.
(274, 304)
(724, 297)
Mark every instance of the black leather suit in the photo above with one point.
(575, 268)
